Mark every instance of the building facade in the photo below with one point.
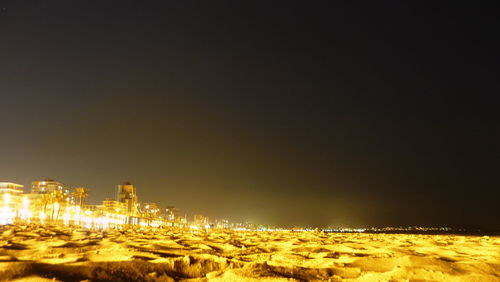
(111, 206)
(150, 210)
(127, 194)
(47, 186)
(10, 201)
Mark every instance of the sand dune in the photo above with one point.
(36, 253)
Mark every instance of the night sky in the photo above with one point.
(287, 113)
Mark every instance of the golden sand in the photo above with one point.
(36, 254)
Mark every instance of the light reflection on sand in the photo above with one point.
(64, 254)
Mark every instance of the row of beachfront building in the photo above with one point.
(52, 202)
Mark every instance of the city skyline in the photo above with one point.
(16, 203)
(170, 213)
(50, 201)
(33, 187)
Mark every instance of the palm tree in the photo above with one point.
(44, 201)
(81, 193)
(59, 198)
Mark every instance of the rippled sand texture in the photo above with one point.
(32, 254)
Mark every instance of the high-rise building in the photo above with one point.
(48, 185)
(127, 194)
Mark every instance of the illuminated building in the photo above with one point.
(222, 224)
(172, 214)
(112, 206)
(10, 201)
(9, 187)
(127, 194)
(173, 217)
(51, 203)
(93, 208)
(150, 210)
(47, 186)
(200, 220)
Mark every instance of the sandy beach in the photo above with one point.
(62, 254)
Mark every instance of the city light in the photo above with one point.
(51, 202)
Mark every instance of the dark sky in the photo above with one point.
(289, 113)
